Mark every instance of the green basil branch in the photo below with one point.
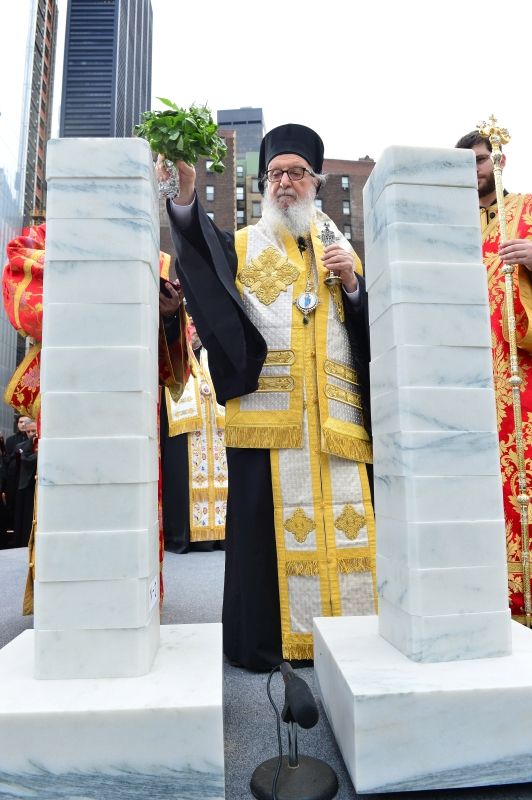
(182, 134)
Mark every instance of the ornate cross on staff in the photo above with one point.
(497, 137)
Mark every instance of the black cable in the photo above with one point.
(279, 741)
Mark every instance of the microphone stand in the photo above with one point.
(300, 777)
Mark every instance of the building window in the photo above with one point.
(256, 209)
(208, 165)
(240, 217)
(255, 185)
(239, 171)
(346, 208)
(239, 192)
(345, 182)
(209, 192)
(318, 202)
(347, 231)
(210, 214)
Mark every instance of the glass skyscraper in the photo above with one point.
(249, 126)
(107, 67)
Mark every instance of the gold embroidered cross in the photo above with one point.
(268, 275)
(350, 522)
(299, 525)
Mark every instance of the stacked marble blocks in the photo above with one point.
(441, 563)
(96, 588)
(441, 680)
(129, 708)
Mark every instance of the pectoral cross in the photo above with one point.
(327, 237)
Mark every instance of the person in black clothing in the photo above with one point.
(12, 468)
(281, 309)
(24, 504)
(3, 511)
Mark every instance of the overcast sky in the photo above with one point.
(364, 75)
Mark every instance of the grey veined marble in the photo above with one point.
(436, 455)
(124, 784)
(441, 680)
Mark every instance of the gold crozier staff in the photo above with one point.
(499, 136)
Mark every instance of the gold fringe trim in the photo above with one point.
(338, 444)
(207, 534)
(298, 652)
(348, 565)
(202, 494)
(176, 427)
(263, 437)
(310, 567)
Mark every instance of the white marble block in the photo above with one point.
(403, 726)
(436, 691)
(97, 606)
(436, 459)
(150, 736)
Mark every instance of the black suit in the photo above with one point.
(25, 493)
(12, 468)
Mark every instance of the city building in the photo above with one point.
(341, 197)
(107, 67)
(25, 120)
(248, 124)
(40, 111)
(216, 191)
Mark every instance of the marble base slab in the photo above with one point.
(157, 736)
(404, 726)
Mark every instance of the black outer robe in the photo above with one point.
(206, 266)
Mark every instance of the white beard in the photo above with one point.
(296, 218)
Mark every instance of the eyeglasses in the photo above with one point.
(294, 173)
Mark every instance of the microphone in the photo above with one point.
(300, 705)
(301, 244)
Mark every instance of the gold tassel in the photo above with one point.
(302, 568)
(200, 494)
(348, 565)
(338, 444)
(263, 436)
(207, 534)
(298, 652)
(179, 426)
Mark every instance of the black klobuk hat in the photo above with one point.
(291, 138)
